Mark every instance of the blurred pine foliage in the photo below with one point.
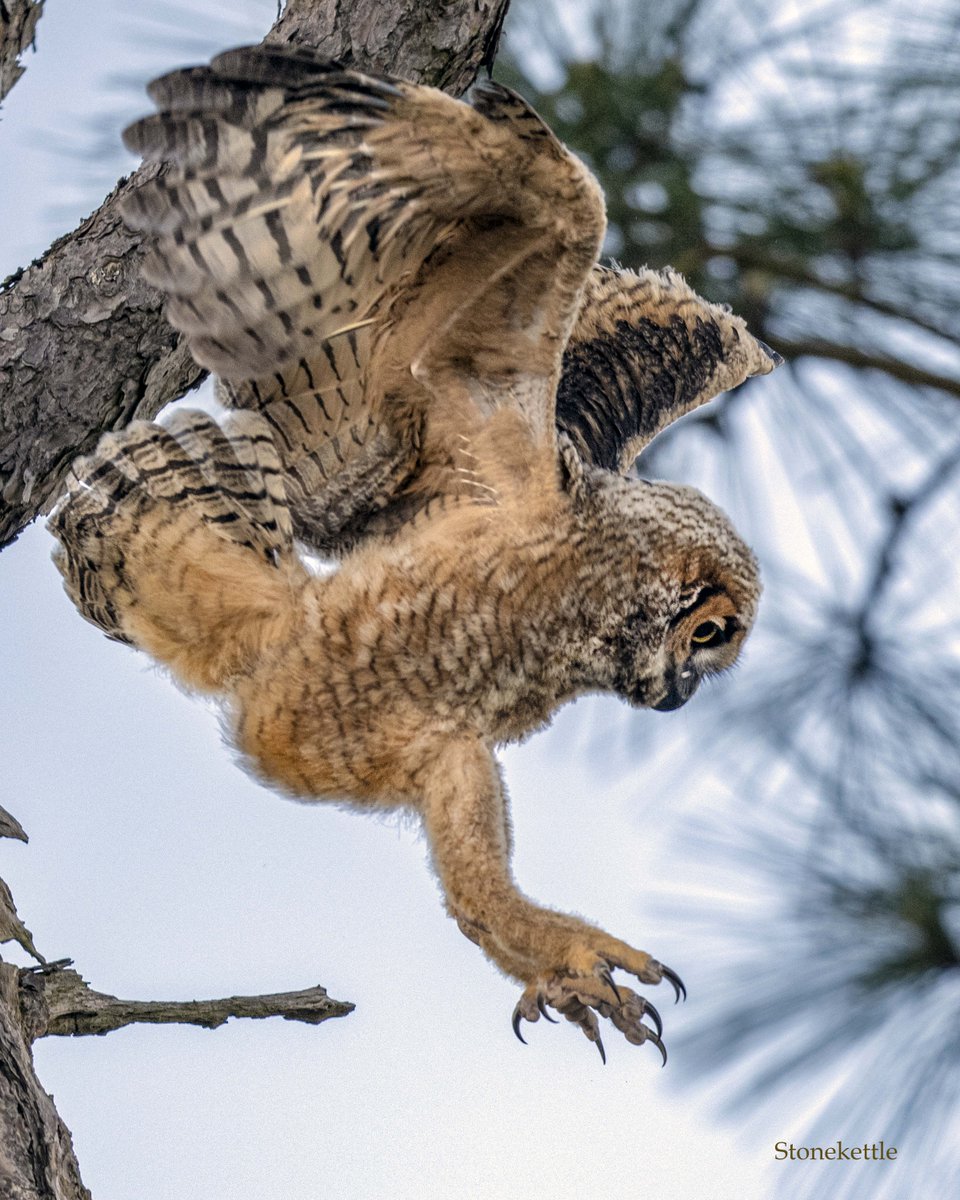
(800, 162)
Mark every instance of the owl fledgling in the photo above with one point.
(439, 386)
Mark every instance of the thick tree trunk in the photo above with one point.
(83, 344)
(36, 1154)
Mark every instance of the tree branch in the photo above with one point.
(10, 827)
(12, 929)
(36, 1153)
(18, 27)
(864, 361)
(797, 269)
(84, 347)
(443, 45)
(74, 1008)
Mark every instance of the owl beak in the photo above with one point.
(776, 360)
(680, 687)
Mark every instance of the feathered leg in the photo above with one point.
(564, 962)
(178, 541)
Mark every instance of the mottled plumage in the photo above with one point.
(440, 386)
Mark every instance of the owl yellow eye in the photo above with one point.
(708, 633)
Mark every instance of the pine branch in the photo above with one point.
(866, 361)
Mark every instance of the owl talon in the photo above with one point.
(655, 1016)
(543, 1010)
(652, 1037)
(675, 980)
(585, 999)
(608, 980)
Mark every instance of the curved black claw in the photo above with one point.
(608, 980)
(544, 1013)
(603, 1053)
(677, 982)
(648, 1008)
(517, 1017)
(652, 1037)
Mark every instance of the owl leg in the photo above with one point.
(177, 539)
(565, 963)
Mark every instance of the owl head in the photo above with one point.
(677, 602)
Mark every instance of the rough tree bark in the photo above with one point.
(18, 27)
(84, 348)
(83, 344)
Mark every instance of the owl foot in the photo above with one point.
(582, 998)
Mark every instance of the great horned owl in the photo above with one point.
(439, 387)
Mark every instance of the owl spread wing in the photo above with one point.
(645, 350)
(343, 250)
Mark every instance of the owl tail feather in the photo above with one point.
(177, 539)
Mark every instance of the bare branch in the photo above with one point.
(75, 1008)
(36, 1154)
(10, 827)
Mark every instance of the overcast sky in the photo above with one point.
(165, 872)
